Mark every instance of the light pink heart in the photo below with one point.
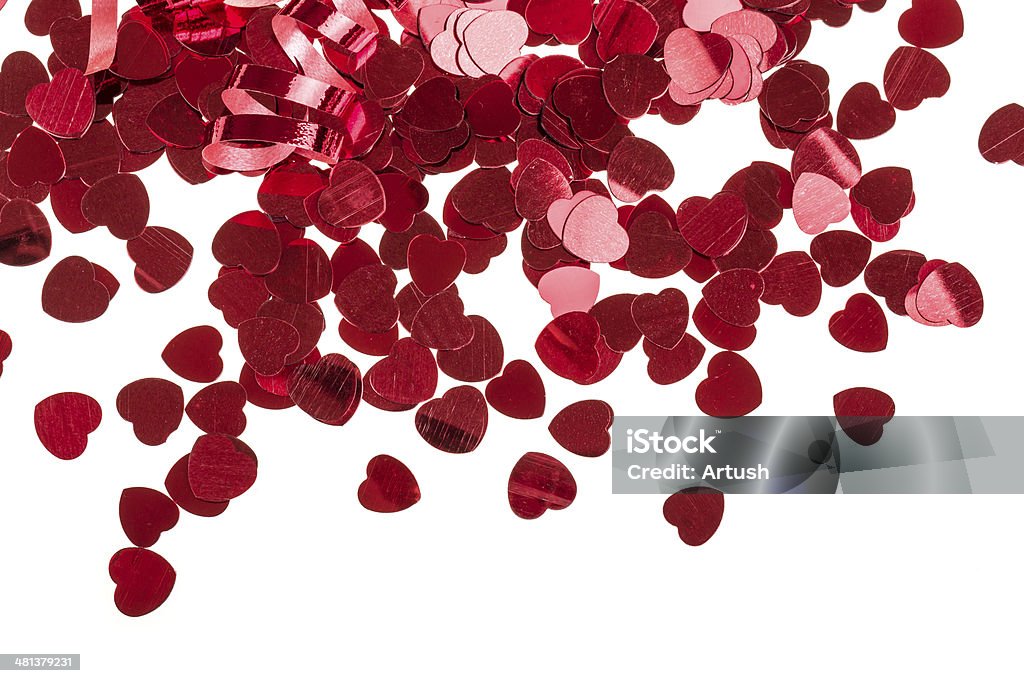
(818, 202)
(570, 288)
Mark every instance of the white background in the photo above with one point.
(296, 577)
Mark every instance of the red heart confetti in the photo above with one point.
(842, 256)
(195, 354)
(74, 293)
(220, 468)
(582, 428)
(932, 23)
(518, 392)
(154, 407)
(456, 422)
(389, 486)
(861, 326)
(539, 483)
(696, 513)
(144, 580)
(178, 488)
(862, 413)
(732, 388)
(145, 514)
(65, 421)
(217, 409)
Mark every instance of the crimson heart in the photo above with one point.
(661, 318)
(734, 296)
(434, 264)
(144, 580)
(668, 366)
(64, 107)
(912, 76)
(456, 422)
(20, 72)
(569, 21)
(238, 295)
(389, 486)
(732, 388)
(161, 256)
(25, 237)
(950, 294)
(218, 409)
(792, 280)
(477, 361)
(140, 54)
(441, 324)
(891, 276)
(328, 390)
(266, 343)
(64, 422)
(568, 346)
(721, 333)
(582, 428)
(887, 193)
(72, 292)
(932, 23)
(145, 514)
(5, 349)
(861, 326)
(249, 240)
(863, 114)
(1002, 136)
(696, 513)
(195, 354)
(220, 468)
(366, 297)
(863, 412)
(631, 82)
(407, 376)
(178, 489)
(154, 407)
(614, 314)
(842, 256)
(34, 157)
(539, 483)
(518, 392)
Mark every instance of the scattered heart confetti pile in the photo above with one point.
(344, 122)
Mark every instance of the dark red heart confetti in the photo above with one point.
(477, 361)
(913, 75)
(861, 326)
(144, 580)
(932, 23)
(582, 428)
(25, 237)
(327, 390)
(732, 388)
(180, 491)
(145, 514)
(120, 202)
(389, 486)
(434, 264)
(154, 407)
(792, 281)
(65, 421)
(518, 392)
(74, 293)
(863, 114)
(568, 346)
(696, 513)
(407, 376)
(862, 413)
(161, 258)
(456, 422)
(539, 483)
(668, 366)
(220, 468)
(661, 318)
(195, 354)
(217, 409)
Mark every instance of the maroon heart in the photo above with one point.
(1002, 136)
(35, 158)
(407, 376)
(366, 297)
(161, 256)
(863, 412)
(568, 346)
(140, 54)
(441, 324)
(64, 422)
(734, 296)
(539, 483)
(696, 513)
(178, 489)
(249, 240)
(518, 392)
(456, 422)
(842, 256)
(25, 237)
(154, 407)
(582, 428)
(120, 202)
(568, 21)
(21, 71)
(932, 23)
(145, 514)
(72, 292)
(144, 580)
(218, 409)
(434, 264)
(266, 344)
(912, 76)
(195, 354)
(64, 107)
(668, 366)
(661, 318)
(238, 295)
(220, 468)
(389, 486)
(886, 192)
(861, 326)
(863, 114)
(328, 390)
(792, 281)
(614, 314)
(732, 388)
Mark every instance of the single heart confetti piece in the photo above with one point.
(842, 256)
(696, 513)
(661, 318)
(518, 392)
(64, 422)
(668, 366)
(568, 289)
(932, 23)
(862, 413)
(732, 388)
(863, 114)
(1002, 136)
(861, 325)
(220, 468)
(568, 346)
(912, 76)
(734, 296)
(64, 107)
(218, 409)
(145, 514)
(178, 488)
(539, 483)
(818, 202)
(328, 390)
(951, 294)
(25, 237)
(389, 486)
(434, 264)
(144, 580)
(583, 428)
(478, 361)
(456, 422)
(407, 376)
(73, 292)
(195, 354)
(154, 407)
